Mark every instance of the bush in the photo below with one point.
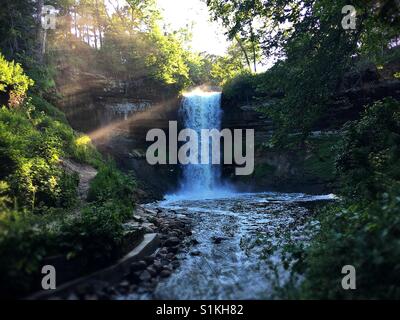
(368, 158)
(38, 215)
(95, 238)
(364, 237)
(30, 149)
(25, 240)
(13, 82)
(363, 230)
(241, 88)
(111, 184)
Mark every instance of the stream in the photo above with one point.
(236, 250)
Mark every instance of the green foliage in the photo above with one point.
(368, 159)
(320, 159)
(42, 105)
(313, 52)
(13, 82)
(363, 229)
(166, 60)
(112, 185)
(38, 199)
(240, 89)
(25, 239)
(365, 237)
(30, 159)
(92, 238)
(95, 237)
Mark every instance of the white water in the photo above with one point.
(201, 110)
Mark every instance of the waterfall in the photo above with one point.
(201, 110)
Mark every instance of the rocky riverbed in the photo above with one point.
(227, 247)
(233, 249)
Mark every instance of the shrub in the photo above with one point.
(25, 240)
(365, 237)
(111, 184)
(363, 230)
(13, 82)
(368, 158)
(94, 238)
(241, 88)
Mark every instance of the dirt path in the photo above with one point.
(86, 174)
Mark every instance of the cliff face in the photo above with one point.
(310, 167)
(117, 115)
(285, 170)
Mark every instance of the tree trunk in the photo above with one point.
(244, 51)
(41, 32)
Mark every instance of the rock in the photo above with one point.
(135, 276)
(175, 264)
(124, 283)
(163, 250)
(145, 276)
(151, 285)
(152, 212)
(165, 273)
(195, 253)
(217, 240)
(171, 242)
(72, 296)
(137, 218)
(173, 234)
(133, 288)
(152, 270)
(173, 250)
(138, 266)
(110, 291)
(194, 242)
(148, 229)
(124, 286)
(157, 265)
(170, 256)
(149, 260)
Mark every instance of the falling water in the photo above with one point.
(201, 110)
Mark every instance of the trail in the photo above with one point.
(85, 172)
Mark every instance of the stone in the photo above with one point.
(157, 265)
(165, 273)
(171, 242)
(138, 266)
(152, 212)
(172, 250)
(137, 218)
(217, 240)
(170, 256)
(195, 253)
(145, 276)
(152, 270)
(124, 284)
(149, 260)
(163, 250)
(72, 296)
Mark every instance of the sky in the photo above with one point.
(207, 36)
